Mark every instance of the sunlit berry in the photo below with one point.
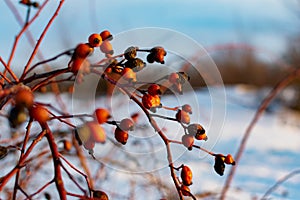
(106, 35)
(130, 53)
(188, 141)
(229, 160)
(187, 108)
(186, 175)
(129, 74)
(39, 113)
(24, 97)
(106, 47)
(67, 145)
(185, 190)
(121, 136)
(95, 40)
(17, 116)
(100, 195)
(154, 89)
(126, 124)
(102, 115)
(150, 101)
(183, 117)
(83, 50)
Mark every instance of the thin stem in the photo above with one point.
(41, 39)
(8, 69)
(41, 189)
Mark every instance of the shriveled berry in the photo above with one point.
(102, 115)
(219, 165)
(188, 141)
(187, 108)
(186, 175)
(136, 64)
(183, 117)
(106, 35)
(3, 152)
(126, 124)
(158, 54)
(95, 40)
(130, 53)
(121, 136)
(150, 58)
(154, 89)
(24, 97)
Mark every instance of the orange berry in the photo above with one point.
(95, 40)
(188, 141)
(100, 195)
(67, 145)
(121, 136)
(129, 74)
(39, 113)
(24, 97)
(126, 124)
(106, 47)
(102, 115)
(158, 54)
(183, 117)
(186, 175)
(185, 190)
(150, 101)
(229, 160)
(80, 64)
(154, 89)
(106, 35)
(187, 108)
(83, 50)
(97, 132)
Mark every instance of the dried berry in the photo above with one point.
(100, 195)
(198, 131)
(183, 117)
(219, 165)
(126, 124)
(185, 190)
(186, 175)
(154, 89)
(188, 141)
(150, 101)
(102, 115)
(229, 160)
(130, 53)
(136, 64)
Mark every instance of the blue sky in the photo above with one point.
(265, 24)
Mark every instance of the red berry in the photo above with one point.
(121, 136)
(229, 160)
(188, 141)
(186, 175)
(95, 40)
(150, 101)
(100, 195)
(83, 50)
(67, 145)
(106, 35)
(80, 64)
(185, 190)
(154, 89)
(102, 115)
(39, 113)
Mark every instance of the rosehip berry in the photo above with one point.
(185, 190)
(121, 136)
(95, 40)
(129, 74)
(183, 117)
(102, 115)
(17, 116)
(106, 35)
(154, 89)
(79, 64)
(100, 195)
(188, 141)
(219, 165)
(126, 124)
(24, 97)
(158, 54)
(150, 58)
(97, 132)
(187, 108)
(186, 175)
(39, 113)
(67, 145)
(136, 64)
(83, 50)
(150, 101)
(130, 53)
(106, 47)
(229, 160)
